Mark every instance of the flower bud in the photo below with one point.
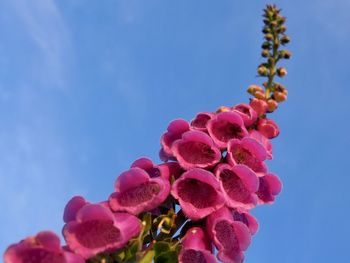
(281, 72)
(260, 95)
(268, 37)
(266, 30)
(223, 109)
(282, 29)
(284, 54)
(262, 71)
(254, 88)
(271, 105)
(279, 96)
(260, 106)
(266, 45)
(265, 53)
(285, 39)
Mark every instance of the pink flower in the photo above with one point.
(226, 126)
(196, 247)
(230, 237)
(269, 186)
(136, 191)
(97, 229)
(264, 142)
(72, 208)
(250, 221)
(239, 184)
(196, 149)
(198, 192)
(260, 106)
(268, 128)
(174, 132)
(247, 113)
(200, 121)
(43, 248)
(248, 152)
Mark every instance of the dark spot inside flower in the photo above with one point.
(153, 172)
(39, 255)
(226, 235)
(199, 194)
(139, 194)
(243, 156)
(264, 191)
(225, 131)
(200, 121)
(97, 233)
(196, 152)
(193, 256)
(234, 186)
(244, 110)
(240, 217)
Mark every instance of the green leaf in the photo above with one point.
(165, 252)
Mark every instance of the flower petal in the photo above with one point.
(72, 207)
(247, 113)
(270, 186)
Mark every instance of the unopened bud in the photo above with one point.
(262, 71)
(254, 88)
(285, 39)
(271, 105)
(281, 72)
(260, 95)
(266, 30)
(223, 109)
(266, 45)
(269, 37)
(282, 29)
(265, 53)
(259, 106)
(284, 54)
(279, 96)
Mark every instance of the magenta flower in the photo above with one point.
(247, 113)
(268, 128)
(72, 208)
(239, 184)
(264, 142)
(200, 121)
(269, 186)
(196, 149)
(174, 132)
(248, 152)
(226, 126)
(198, 192)
(43, 248)
(260, 106)
(250, 221)
(230, 237)
(97, 229)
(196, 247)
(136, 191)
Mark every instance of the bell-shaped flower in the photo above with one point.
(136, 191)
(97, 229)
(268, 128)
(264, 142)
(248, 152)
(230, 237)
(196, 247)
(174, 132)
(269, 186)
(245, 217)
(72, 208)
(198, 192)
(196, 149)
(239, 184)
(247, 113)
(200, 121)
(226, 126)
(43, 248)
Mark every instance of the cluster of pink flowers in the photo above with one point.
(213, 169)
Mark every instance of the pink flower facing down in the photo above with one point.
(43, 248)
(268, 128)
(269, 186)
(174, 132)
(239, 184)
(196, 248)
(230, 237)
(265, 142)
(247, 113)
(226, 126)
(196, 149)
(200, 121)
(136, 191)
(260, 106)
(248, 152)
(250, 221)
(97, 229)
(198, 192)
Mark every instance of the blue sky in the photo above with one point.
(86, 87)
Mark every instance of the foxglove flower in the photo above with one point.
(250, 221)
(239, 184)
(268, 128)
(264, 141)
(230, 237)
(196, 149)
(248, 152)
(97, 229)
(72, 208)
(226, 126)
(196, 247)
(200, 121)
(43, 248)
(269, 186)
(198, 192)
(174, 132)
(136, 191)
(247, 113)
(260, 106)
